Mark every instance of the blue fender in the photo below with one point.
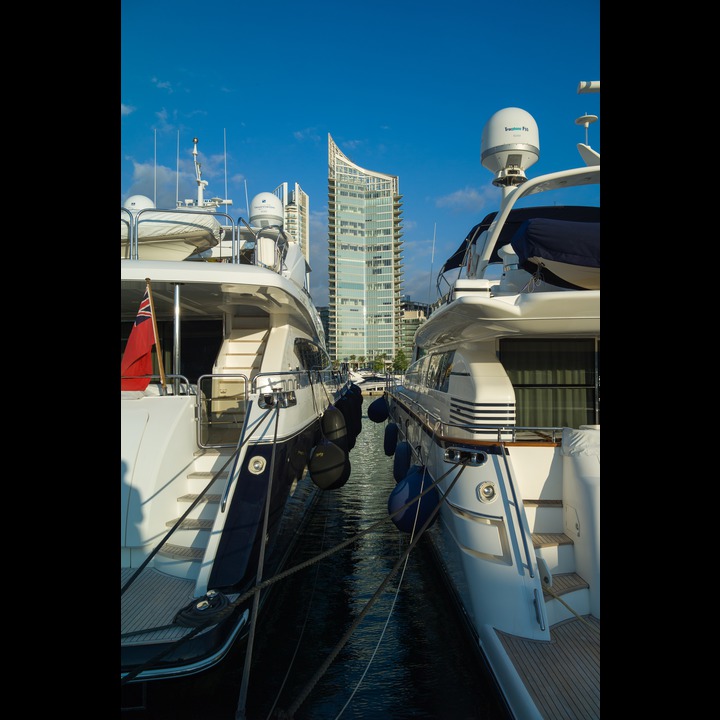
(390, 439)
(401, 462)
(410, 487)
(378, 410)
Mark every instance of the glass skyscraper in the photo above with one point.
(364, 264)
(296, 210)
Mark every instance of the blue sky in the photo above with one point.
(403, 88)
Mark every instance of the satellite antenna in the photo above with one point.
(586, 120)
(590, 156)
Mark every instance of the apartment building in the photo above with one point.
(365, 260)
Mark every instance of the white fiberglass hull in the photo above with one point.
(232, 431)
(474, 316)
(501, 408)
(519, 522)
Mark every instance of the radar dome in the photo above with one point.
(138, 202)
(266, 209)
(510, 144)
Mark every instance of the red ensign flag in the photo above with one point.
(136, 359)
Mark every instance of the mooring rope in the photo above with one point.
(390, 612)
(216, 618)
(573, 611)
(240, 712)
(177, 524)
(305, 621)
(403, 558)
(179, 521)
(297, 568)
(256, 589)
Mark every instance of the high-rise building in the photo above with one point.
(296, 210)
(365, 260)
(414, 314)
(325, 319)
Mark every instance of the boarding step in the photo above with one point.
(544, 516)
(241, 354)
(231, 416)
(192, 524)
(541, 540)
(543, 503)
(567, 597)
(556, 549)
(207, 476)
(179, 552)
(210, 452)
(565, 583)
(227, 435)
(211, 459)
(191, 497)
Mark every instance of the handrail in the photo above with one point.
(516, 505)
(203, 414)
(268, 388)
(551, 432)
(289, 376)
(280, 242)
(179, 379)
(280, 250)
(130, 227)
(430, 416)
(134, 233)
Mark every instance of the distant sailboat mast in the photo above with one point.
(177, 172)
(432, 261)
(155, 172)
(225, 159)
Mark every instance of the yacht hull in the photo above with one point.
(217, 453)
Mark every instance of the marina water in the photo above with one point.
(338, 643)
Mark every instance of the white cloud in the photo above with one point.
(468, 199)
(310, 133)
(162, 84)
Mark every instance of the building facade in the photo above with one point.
(324, 313)
(296, 210)
(414, 314)
(365, 260)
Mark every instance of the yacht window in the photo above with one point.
(556, 382)
(311, 355)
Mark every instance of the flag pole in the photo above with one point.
(157, 337)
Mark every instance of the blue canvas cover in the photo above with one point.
(562, 241)
(579, 213)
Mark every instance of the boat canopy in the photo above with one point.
(517, 216)
(563, 242)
